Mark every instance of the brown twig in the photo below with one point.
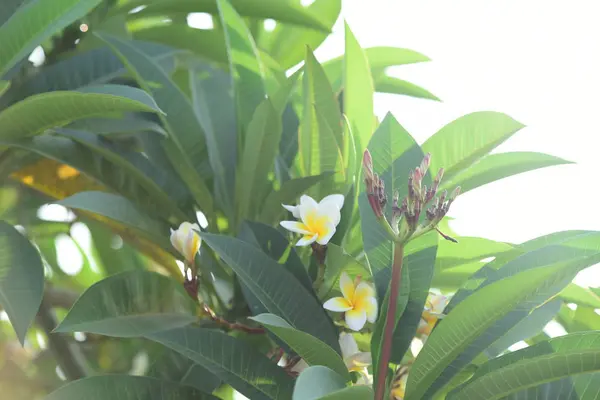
(231, 325)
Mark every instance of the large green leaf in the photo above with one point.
(311, 349)
(244, 62)
(320, 137)
(125, 387)
(48, 110)
(288, 193)
(467, 250)
(557, 358)
(130, 304)
(467, 139)
(475, 322)
(351, 393)
(316, 382)
(91, 67)
(135, 165)
(528, 327)
(114, 128)
(283, 11)
(35, 22)
(232, 360)
(390, 84)
(214, 103)
(574, 293)
(498, 166)
(120, 209)
(186, 147)
(275, 287)
(260, 147)
(21, 279)
(8, 9)
(286, 43)
(358, 93)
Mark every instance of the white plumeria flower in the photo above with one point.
(434, 308)
(318, 221)
(354, 359)
(359, 303)
(186, 240)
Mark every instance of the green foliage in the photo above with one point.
(135, 122)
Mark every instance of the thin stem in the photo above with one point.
(390, 319)
(320, 276)
(68, 356)
(236, 326)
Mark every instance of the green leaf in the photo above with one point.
(287, 12)
(48, 110)
(320, 138)
(4, 86)
(467, 139)
(358, 93)
(212, 97)
(248, 74)
(115, 128)
(35, 22)
(574, 293)
(187, 143)
(316, 382)
(125, 387)
(351, 393)
(498, 166)
(232, 360)
(274, 287)
(130, 304)
(8, 9)
(257, 158)
(289, 193)
(128, 162)
(544, 362)
(285, 43)
(311, 349)
(390, 84)
(21, 279)
(91, 67)
(208, 44)
(119, 209)
(467, 250)
(528, 327)
(465, 331)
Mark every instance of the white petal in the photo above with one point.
(348, 345)
(337, 304)
(372, 311)
(293, 210)
(324, 239)
(295, 226)
(306, 240)
(347, 286)
(195, 227)
(331, 211)
(307, 206)
(356, 319)
(335, 199)
(202, 219)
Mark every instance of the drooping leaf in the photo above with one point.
(186, 146)
(121, 210)
(574, 293)
(21, 279)
(358, 90)
(316, 382)
(481, 318)
(389, 84)
(275, 287)
(232, 360)
(464, 141)
(48, 110)
(287, 12)
(130, 304)
(557, 358)
(244, 61)
(35, 22)
(311, 349)
(125, 387)
(494, 167)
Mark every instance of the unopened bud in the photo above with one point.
(425, 163)
(368, 164)
(455, 193)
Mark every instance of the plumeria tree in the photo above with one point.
(247, 229)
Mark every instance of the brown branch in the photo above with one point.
(231, 325)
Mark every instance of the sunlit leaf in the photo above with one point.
(316, 382)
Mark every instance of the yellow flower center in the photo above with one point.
(315, 224)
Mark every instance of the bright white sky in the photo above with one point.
(537, 61)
